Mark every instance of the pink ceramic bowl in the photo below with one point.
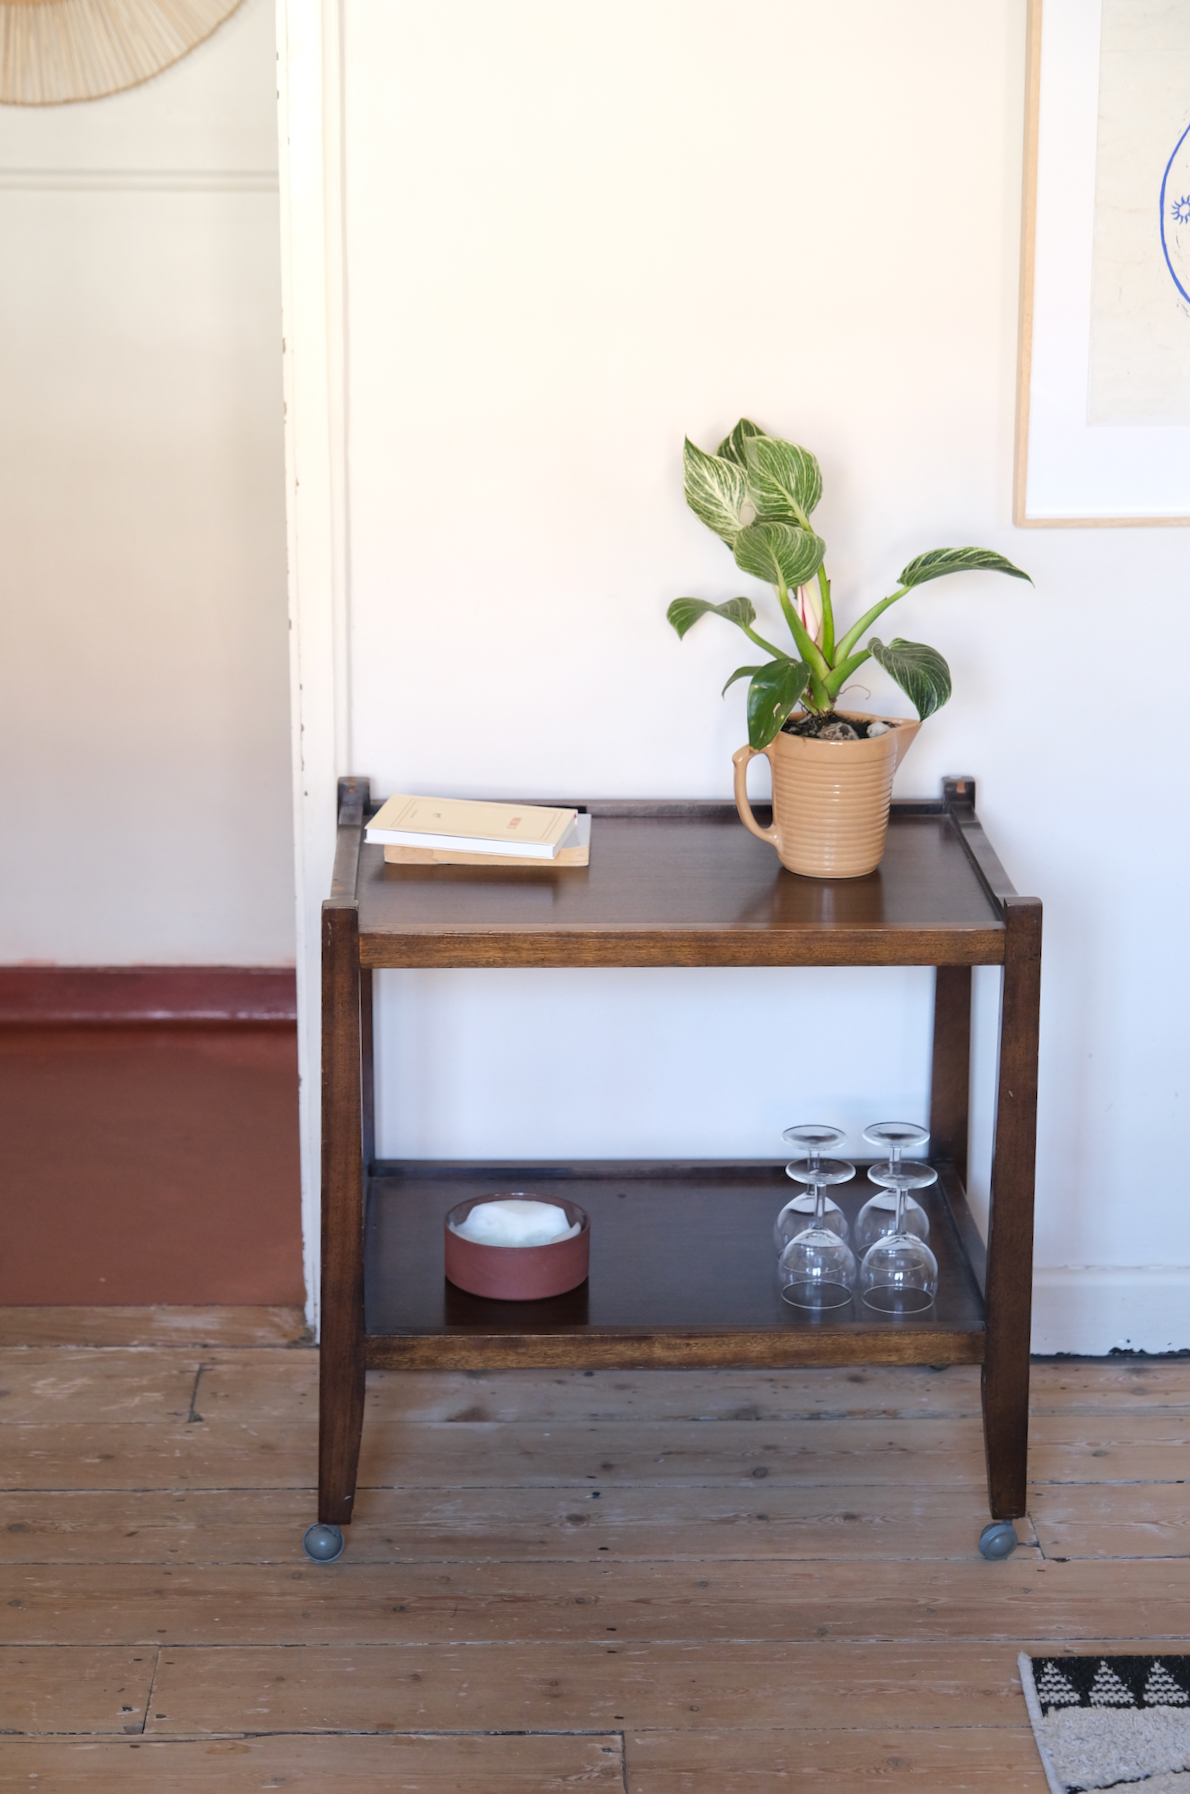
(518, 1273)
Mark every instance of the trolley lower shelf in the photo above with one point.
(682, 1273)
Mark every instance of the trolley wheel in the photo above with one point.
(998, 1540)
(325, 1543)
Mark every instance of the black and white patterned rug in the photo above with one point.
(1111, 1722)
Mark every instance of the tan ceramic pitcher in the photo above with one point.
(830, 798)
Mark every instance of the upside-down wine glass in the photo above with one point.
(814, 1137)
(899, 1273)
(878, 1216)
(817, 1268)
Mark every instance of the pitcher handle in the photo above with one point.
(740, 761)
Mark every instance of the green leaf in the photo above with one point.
(774, 691)
(737, 610)
(940, 561)
(684, 612)
(784, 481)
(740, 673)
(732, 447)
(921, 672)
(715, 491)
(779, 551)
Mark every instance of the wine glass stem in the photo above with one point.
(819, 1204)
(901, 1194)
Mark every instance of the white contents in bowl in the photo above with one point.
(516, 1221)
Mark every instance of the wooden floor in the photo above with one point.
(665, 1582)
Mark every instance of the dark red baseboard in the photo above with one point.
(127, 995)
(149, 1136)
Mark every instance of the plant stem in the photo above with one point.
(843, 671)
(787, 610)
(777, 653)
(820, 698)
(847, 645)
(828, 615)
(810, 653)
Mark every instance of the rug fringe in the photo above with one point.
(1025, 1665)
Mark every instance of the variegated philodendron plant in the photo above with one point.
(757, 492)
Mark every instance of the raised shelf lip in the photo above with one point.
(528, 944)
(677, 809)
(958, 800)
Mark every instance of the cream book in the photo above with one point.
(520, 831)
(576, 851)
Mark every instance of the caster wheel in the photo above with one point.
(325, 1543)
(998, 1540)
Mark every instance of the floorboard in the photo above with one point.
(1116, 1520)
(453, 1764)
(169, 1526)
(583, 1686)
(929, 1762)
(660, 1582)
(352, 1603)
(202, 1452)
(164, 1326)
(63, 1688)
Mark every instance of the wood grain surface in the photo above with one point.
(456, 1764)
(681, 1262)
(561, 1579)
(168, 1325)
(681, 890)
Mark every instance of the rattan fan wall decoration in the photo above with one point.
(55, 51)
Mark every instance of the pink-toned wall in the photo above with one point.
(148, 1136)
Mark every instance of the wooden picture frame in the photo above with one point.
(1071, 473)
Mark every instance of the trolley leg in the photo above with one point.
(951, 1066)
(341, 1359)
(1009, 1293)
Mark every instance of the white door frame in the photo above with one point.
(310, 123)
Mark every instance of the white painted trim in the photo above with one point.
(312, 261)
(1096, 1309)
(139, 180)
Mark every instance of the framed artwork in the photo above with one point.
(1103, 391)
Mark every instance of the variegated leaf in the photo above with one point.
(737, 610)
(732, 447)
(779, 551)
(784, 481)
(921, 672)
(740, 673)
(774, 691)
(715, 491)
(684, 612)
(940, 561)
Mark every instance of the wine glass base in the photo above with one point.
(887, 1298)
(807, 1294)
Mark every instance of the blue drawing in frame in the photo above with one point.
(1175, 215)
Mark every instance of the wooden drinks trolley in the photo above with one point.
(682, 1259)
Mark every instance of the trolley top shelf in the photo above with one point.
(684, 884)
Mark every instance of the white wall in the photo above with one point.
(573, 234)
(143, 673)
